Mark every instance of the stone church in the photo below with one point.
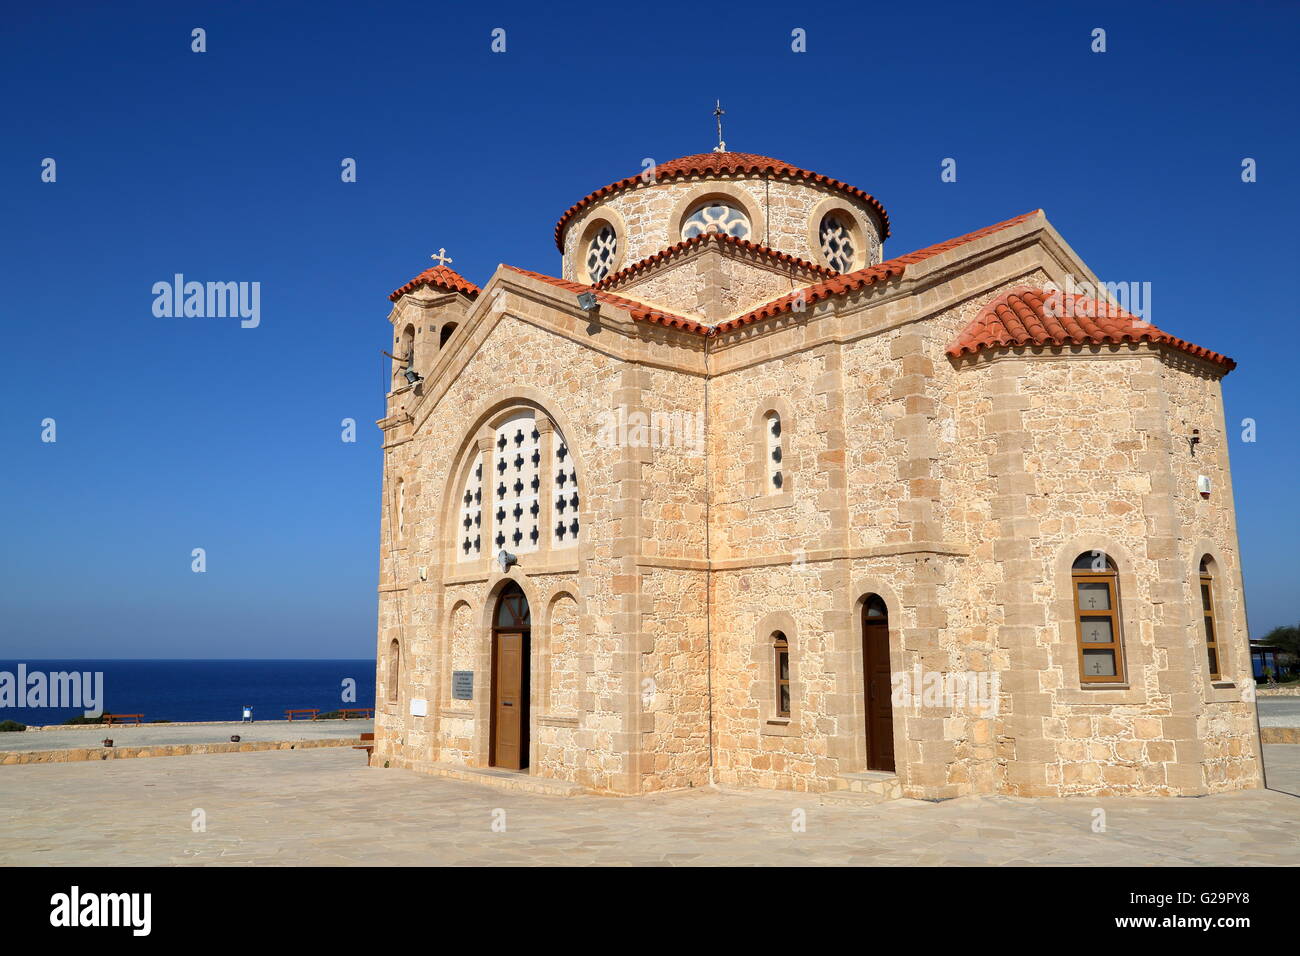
(737, 498)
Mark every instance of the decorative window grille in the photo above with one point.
(772, 428)
(716, 217)
(601, 253)
(564, 496)
(511, 481)
(516, 456)
(470, 530)
(837, 243)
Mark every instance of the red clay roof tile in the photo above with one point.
(439, 277)
(638, 310)
(852, 281)
(1032, 317)
(705, 164)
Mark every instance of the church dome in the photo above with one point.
(755, 198)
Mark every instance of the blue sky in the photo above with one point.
(182, 433)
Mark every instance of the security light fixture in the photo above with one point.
(505, 559)
(412, 376)
(588, 302)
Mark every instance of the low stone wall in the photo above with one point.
(1279, 735)
(147, 725)
(1288, 691)
(168, 750)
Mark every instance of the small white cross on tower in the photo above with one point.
(442, 258)
(718, 111)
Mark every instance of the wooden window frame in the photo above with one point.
(781, 649)
(1209, 625)
(1109, 577)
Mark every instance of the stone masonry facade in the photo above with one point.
(953, 485)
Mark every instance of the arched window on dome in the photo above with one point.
(716, 216)
(602, 252)
(838, 244)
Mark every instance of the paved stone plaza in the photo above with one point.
(1279, 711)
(325, 807)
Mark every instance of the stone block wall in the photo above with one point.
(648, 218)
(959, 492)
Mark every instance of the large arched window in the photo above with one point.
(521, 494)
(394, 670)
(1207, 617)
(1097, 619)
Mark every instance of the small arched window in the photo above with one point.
(781, 650)
(772, 452)
(1097, 620)
(394, 666)
(1207, 616)
(602, 252)
(445, 334)
(837, 244)
(716, 216)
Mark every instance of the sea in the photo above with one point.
(183, 690)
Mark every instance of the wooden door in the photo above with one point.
(510, 701)
(880, 709)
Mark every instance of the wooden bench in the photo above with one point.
(109, 718)
(290, 714)
(367, 744)
(351, 712)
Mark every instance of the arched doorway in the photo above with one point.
(510, 679)
(876, 675)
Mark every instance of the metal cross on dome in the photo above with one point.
(718, 111)
(442, 258)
